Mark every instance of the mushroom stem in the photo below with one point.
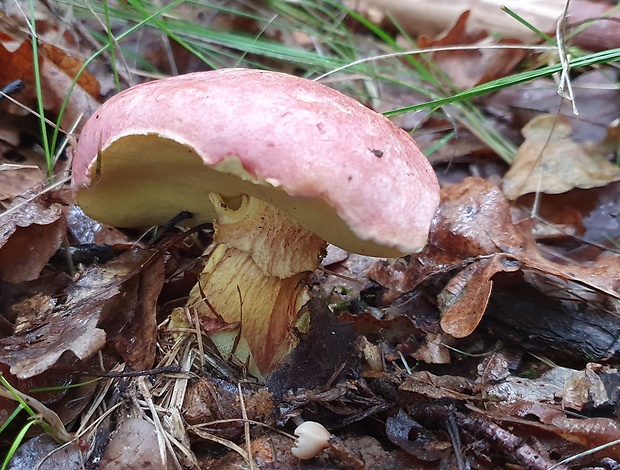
(278, 244)
(254, 282)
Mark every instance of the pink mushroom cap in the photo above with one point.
(341, 170)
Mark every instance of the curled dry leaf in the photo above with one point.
(464, 299)
(31, 231)
(550, 162)
(587, 388)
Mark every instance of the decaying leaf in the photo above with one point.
(321, 351)
(550, 162)
(588, 388)
(44, 452)
(437, 387)
(548, 388)
(209, 399)
(399, 428)
(136, 340)
(588, 433)
(87, 231)
(103, 299)
(473, 225)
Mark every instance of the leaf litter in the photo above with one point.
(479, 351)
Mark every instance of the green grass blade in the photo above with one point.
(608, 56)
(16, 443)
(49, 157)
(103, 49)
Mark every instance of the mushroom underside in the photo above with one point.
(169, 177)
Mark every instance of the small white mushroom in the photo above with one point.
(312, 439)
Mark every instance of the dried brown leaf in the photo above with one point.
(468, 68)
(16, 63)
(550, 162)
(71, 66)
(437, 387)
(18, 179)
(464, 299)
(30, 233)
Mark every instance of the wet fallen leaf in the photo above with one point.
(509, 389)
(437, 387)
(589, 433)
(136, 339)
(45, 453)
(565, 221)
(473, 220)
(341, 282)
(550, 162)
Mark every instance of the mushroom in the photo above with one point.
(312, 439)
(281, 165)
